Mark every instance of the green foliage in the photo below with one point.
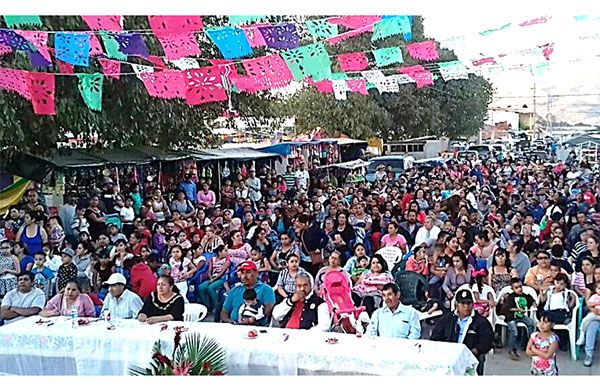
(129, 115)
(197, 355)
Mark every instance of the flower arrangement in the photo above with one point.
(194, 356)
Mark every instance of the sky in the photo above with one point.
(573, 69)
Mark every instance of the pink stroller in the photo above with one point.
(336, 293)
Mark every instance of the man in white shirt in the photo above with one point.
(427, 232)
(122, 303)
(302, 177)
(23, 301)
(394, 319)
(254, 186)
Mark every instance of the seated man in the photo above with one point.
(304, 309)
(248, 273)
(394, 319)
(23, 301)
(122, 303)
(466, 326)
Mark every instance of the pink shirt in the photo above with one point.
(595, 299)
(206, 199)
(371, 281)
(399, 241)
(85, 306)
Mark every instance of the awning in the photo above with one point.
(351, 165)
(239, 154)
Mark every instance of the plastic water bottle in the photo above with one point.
(74, 322)
(107, 319)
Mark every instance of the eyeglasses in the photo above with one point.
(5, 247)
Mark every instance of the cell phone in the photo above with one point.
(262, 331)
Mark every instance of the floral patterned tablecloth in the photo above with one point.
(34, 349)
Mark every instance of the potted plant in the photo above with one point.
(195, 355)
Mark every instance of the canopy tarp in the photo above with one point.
(582, 139)
(162, 155)
(351, 165)
(238, 154)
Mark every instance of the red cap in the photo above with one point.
(247, 265)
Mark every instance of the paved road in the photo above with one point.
(500, 364)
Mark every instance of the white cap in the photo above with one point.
(116, 278)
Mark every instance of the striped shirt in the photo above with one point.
(218, 265)
(290, 179)
(287, 281)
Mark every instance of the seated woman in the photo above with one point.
(164, 304)
(334, 264)
(208, 291)
(458, 274)
(62, 303)
(367, 291)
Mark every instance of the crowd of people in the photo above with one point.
(259, 250)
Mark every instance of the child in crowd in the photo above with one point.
(252, 312)
(67, 271)
(593, 304)
(159, 241)
(542, 347)
(56, 234)
(362, 266)
(558, 302)
(483, 294)
(359, 253)
(433, 303)
(101, 271)
(286, 282)
(42, 275)
(262, 264)
(515, 307)
(52, 261)
(98, 303)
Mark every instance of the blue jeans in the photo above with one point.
(209, 293)
(590, 337)
(513, 331)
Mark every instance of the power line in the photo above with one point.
(553, 95)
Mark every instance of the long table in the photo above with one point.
(27, 348)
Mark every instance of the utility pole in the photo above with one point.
(534, 106)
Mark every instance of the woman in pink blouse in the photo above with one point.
(393, 238)
(206, 197)
(367, 291)
(71, 296)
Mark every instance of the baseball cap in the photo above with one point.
(464, 296)
(68, 251)
(247, 265)
(115, 278)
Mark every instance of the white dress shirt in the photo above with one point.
(127, 306)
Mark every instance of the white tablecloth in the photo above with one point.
(27, 348)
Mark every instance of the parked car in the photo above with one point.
(485, 151)
(398, 163)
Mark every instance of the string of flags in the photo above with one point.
(286, 59)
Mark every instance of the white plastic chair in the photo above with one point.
(571, 328)
(194, 312)
(500, 319)
(391, 255)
